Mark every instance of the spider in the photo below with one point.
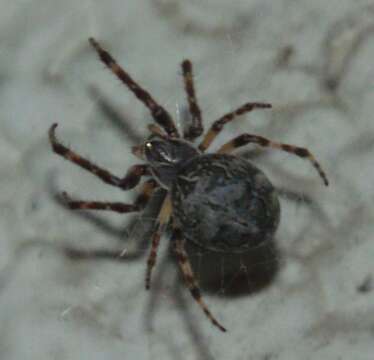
(219, 201)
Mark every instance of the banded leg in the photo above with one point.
(131, 179)
(99, 205)
(139, 204)
(196, 128)
(146, 193)
(245, 139)
(218, 125)
(159, 114)
(160, 226)
(156, 130)
(144, 199)
(189, 276)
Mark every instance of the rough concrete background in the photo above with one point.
(312, 60)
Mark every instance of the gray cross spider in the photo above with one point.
(219, 201)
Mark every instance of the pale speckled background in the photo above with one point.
(55, 308)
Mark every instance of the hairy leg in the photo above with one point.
(146, 195)
(160, 226)
(218, 125)
(128, 182)
(160, 115)
(139, 204)
(246, 138)
(196, 128)
(189, 276)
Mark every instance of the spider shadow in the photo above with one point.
(117, 118)
(235, 275)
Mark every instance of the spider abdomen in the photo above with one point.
(224, 203)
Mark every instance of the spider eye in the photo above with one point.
(156, 151)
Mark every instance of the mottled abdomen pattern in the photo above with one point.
(224, 203)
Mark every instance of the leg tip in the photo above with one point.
(92, 41)
(186, 65)
(51, 132)
(223, 329)
(216, 323)
(53, 126)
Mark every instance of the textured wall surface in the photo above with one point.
(313, 60)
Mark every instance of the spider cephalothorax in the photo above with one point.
(219, 201)
(166, 156)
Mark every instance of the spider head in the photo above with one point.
(166, 155)
(165, 151)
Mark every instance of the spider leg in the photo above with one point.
(189, 276)
(246, 138)
(160, 226)
(131, 179)
(99, 205)
(218, 125)
(156, 130)
(119, 255)
(146, 198)
(196, 128)
(160, 115)
(139, 204)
